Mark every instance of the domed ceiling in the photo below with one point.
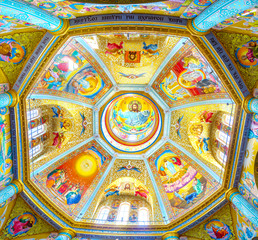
(137, 112)
(133, 116)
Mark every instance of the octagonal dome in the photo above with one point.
(130, 118)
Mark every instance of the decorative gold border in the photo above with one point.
(256, 169)
(119, 29)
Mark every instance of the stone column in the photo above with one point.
(234, 196)
(29, 13)
(250, 104)
(170, 236)
(66, 234)
(9, 99)
(216, 13)
(15, 187)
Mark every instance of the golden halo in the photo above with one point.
(135, 102)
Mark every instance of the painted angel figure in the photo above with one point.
(134, 117)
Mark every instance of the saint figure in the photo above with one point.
(134, 117)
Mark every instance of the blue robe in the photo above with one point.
(171, 168)
(189, 198)
(73, 198)
(134, 118)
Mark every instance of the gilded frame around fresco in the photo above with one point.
(121, 27)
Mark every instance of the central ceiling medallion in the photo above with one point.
(131, 122)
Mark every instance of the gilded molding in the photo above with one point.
(19, 185)
(193, 31)
(170, 234)
(15, 97)
(229, 192)
(256, 169)
(245, 103)
(63, 30)
(67, 230)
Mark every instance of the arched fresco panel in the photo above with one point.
(67, 181)
(183, 184)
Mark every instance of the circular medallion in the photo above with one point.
(131, 122)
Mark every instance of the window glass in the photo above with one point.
(33, 114)
(223, 137)
(228, 120)
(143, 216)
(222, 157)
(123, 213)
(37, 131)
(35, 150)
(103, 214)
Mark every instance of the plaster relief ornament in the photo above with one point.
(129, 167)
(131, 122)
(21, 224)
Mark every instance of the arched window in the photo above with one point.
(103, 214)
(37, 131)
(33, 114)
(143, 216)
(228, 120)
(222, 137)
(35, 150)
(123, 213)
(222, 157)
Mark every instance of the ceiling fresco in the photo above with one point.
(185, 184)
(219, 226)
(71, 74)
(92, 142)
(191, 128)
(240, 47)
(70, 181)
(125, 180)
(188, 75)
(148, 116)
(21, 45)
(245, 22)
(67, 125)
(23, 221)
(131, 122)
(132, 58)
(72, 9)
